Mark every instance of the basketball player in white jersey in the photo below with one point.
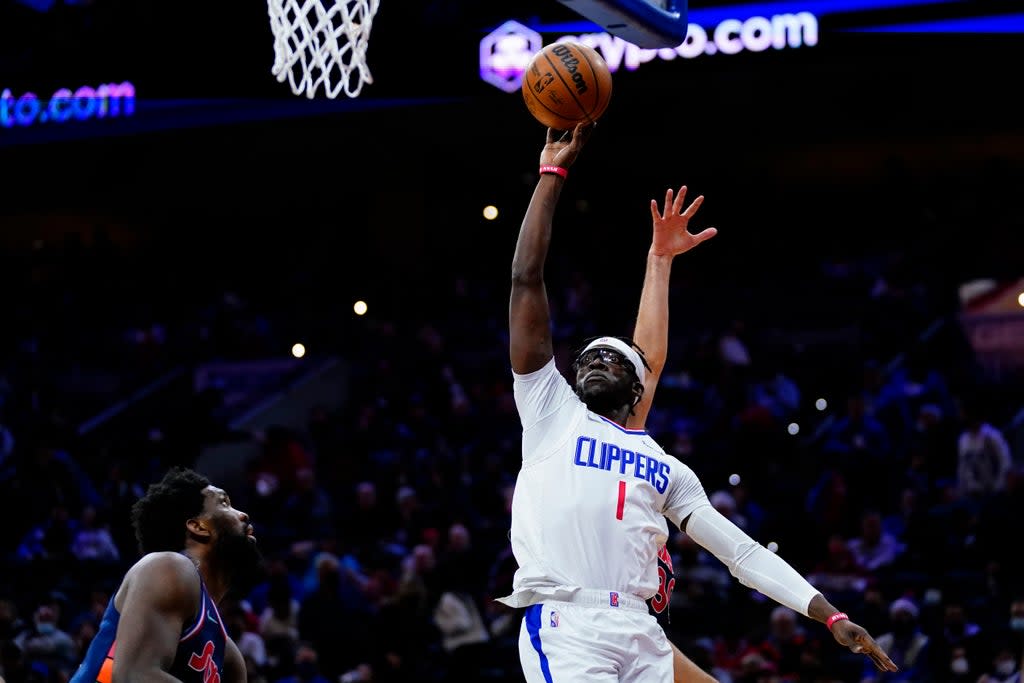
(589, 509)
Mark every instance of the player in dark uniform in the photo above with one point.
(684, 669)
(671, 237)
(162, 624)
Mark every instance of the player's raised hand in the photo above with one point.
(860, 641)
(671, 236)
(563, 147)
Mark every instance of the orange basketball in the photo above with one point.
(566, 83)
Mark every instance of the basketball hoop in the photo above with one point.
(322, 42)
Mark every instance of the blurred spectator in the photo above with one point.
(249, 643)
(50, 540)
(279, 620)
(838, 573)
(93, 541)
(308, 510)
(907, 646)
(307, 668)
(724, 502)
(1004, 666)
(747, 508)
(323, 611)
(874, 548)
(959, 644)
(16, 666)
(366, 525)
(793, 654)
(44, 642)
(413, 518)
(464, 635)
(983, 457)
(857, 444)
(10, 623)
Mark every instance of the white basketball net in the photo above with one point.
(322, 42)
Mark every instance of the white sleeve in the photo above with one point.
(539, 395)
(749, 561)
(686, 493)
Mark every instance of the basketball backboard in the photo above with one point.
(645, 23)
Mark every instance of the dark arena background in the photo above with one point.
(304, 300)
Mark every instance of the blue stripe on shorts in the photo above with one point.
(533, 628)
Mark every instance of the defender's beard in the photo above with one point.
(241, 557)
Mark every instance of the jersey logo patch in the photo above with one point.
(554, 619)
(613, 599)
(204, 662)
(666, 582)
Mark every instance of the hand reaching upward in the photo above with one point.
(671, 236)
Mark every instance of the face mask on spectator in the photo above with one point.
(46, 627)
(959, 665)
(1017, 623)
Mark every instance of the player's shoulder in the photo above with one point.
(173, 570)
(677, 468)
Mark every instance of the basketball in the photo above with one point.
(566, 83)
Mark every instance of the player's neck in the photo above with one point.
(215, 578)
(619, 417)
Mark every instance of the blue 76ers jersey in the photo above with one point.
(200, 655)
(591, 500)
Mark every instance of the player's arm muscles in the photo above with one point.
(651, 331)
(529, 316)
(234, 664)
(161, 596)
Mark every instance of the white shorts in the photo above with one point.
(590, 639)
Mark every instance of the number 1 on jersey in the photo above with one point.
(622, 500)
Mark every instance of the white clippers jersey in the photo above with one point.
(591, 498)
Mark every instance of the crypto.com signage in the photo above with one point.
(107, 100)
(505, 51)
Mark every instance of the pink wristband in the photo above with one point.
(557, 170)
(838, 616)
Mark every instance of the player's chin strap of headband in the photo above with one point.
(749, 561)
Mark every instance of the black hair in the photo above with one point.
(578, 353)
(159, 517)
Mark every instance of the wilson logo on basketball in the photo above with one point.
(571, 63)
(204, 662)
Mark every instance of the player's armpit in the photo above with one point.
(161, 594)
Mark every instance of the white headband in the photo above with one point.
(625, 349)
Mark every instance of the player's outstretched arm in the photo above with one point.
(684, 670)
(848, 633)
(161, 594)
(758, 568)
(669, 239)
(529, 316)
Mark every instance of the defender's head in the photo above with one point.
(610, 373)
(184, 506)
